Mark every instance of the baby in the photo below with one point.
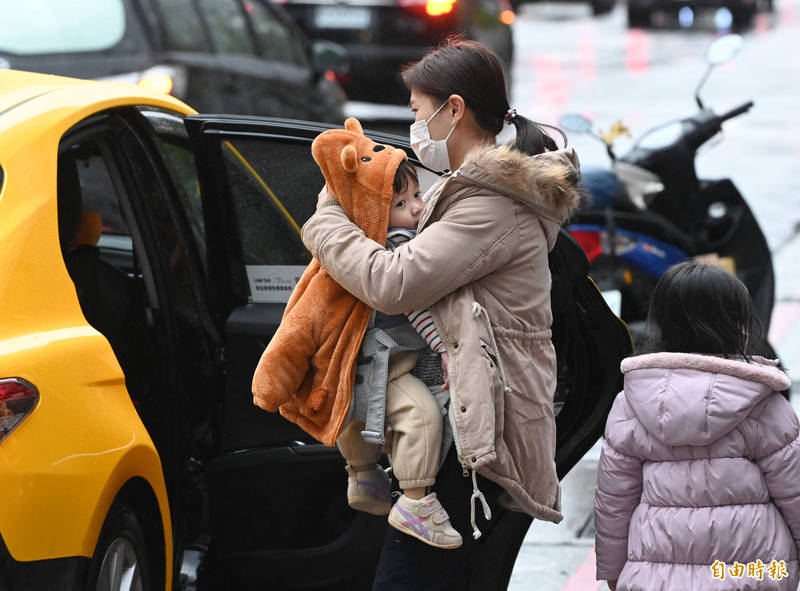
(411, 412)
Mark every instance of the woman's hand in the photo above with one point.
(324, 195)
(446, 384)
(612, 584)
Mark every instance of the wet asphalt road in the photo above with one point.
(568, 61)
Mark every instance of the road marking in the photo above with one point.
(583, 577)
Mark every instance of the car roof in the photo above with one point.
(29, 96)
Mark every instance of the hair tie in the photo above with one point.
(510, 115)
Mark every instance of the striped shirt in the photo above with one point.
(421, 320)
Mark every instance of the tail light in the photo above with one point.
(431, 7)
(18, 398)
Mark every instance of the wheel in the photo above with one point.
(121, 560)
(638, 17)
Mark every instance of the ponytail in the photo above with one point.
(531, 138)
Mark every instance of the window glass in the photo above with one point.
(98, 194)
(227, 25)
(55, 26)
(172, 144)
(274, 38)
(182, 25)
(274, 186)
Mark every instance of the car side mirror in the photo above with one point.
(326, 55)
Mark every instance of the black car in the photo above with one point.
(382, 35)
(717, 14)
(242, 56)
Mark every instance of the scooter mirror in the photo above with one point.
(724, 49)
(575, 123)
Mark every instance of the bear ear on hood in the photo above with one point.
(349, 158)
(352, 124)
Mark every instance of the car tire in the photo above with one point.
(638, 17)
(121, 560)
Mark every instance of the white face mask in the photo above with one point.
(432, 153)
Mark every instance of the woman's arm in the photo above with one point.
(474, 237)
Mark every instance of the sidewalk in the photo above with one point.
(561, 557)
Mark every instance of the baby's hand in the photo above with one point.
(446, 384)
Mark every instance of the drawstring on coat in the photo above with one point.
(478, 310)
(477, 495)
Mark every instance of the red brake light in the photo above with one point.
(432, 7)
(439, 7)
(590, 241)
(17, 400)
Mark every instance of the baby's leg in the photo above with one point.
(359, 454)
(416, 423)
(368, 486)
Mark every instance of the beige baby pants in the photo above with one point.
(416, 425)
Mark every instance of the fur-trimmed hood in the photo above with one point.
(547, 182)
(689, 399)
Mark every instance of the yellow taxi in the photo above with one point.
(146, 256)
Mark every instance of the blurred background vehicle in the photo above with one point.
(598, 6)
(650, 210)
(382, 35)
(243, 56)
(724, 14)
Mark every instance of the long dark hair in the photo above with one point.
(698, 308)
(474, 72)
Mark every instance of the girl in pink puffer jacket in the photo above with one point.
(698, 484)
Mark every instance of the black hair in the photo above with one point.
(475, 73)
(699, 308)
(405, 173)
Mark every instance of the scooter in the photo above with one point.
(650, 211)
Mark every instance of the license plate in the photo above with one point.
(342, 17)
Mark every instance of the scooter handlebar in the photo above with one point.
(736, 112)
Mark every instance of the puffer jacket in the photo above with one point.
(479, 263)
(700, 468)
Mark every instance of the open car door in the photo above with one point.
(279, 515)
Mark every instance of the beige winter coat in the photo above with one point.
(479, 263)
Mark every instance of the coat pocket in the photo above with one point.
(495, 385)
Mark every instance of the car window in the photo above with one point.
(182, 25)
(54, 26)
(274, 186)
(275, 40)
(98, 194)
(227, 25)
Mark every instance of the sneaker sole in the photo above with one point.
(414, 534)
(369, 505)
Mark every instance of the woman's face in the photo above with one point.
(424, 106)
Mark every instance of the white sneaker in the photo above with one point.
(369, 490)
(426, 520)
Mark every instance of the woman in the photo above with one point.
(480, 264)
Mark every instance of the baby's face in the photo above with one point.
(406, 207)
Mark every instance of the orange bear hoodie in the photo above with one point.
(307, 370)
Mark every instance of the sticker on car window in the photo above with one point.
(272, 283)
